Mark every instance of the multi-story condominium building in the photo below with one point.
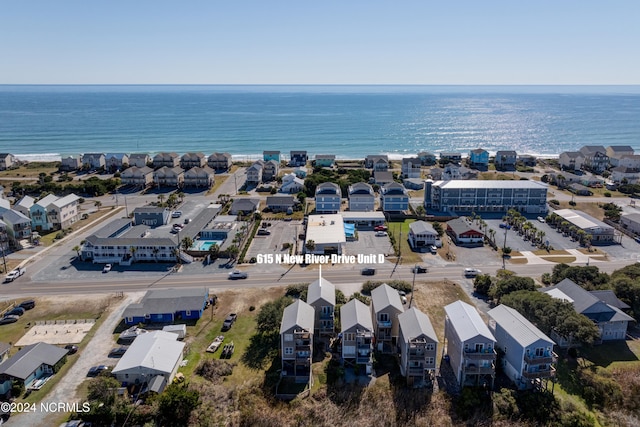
(470, 345)
(271, 155)
(595, 158)
(361, 197)
(505, 160)
(64, 211)
(137, 176)
(631, 161)
(427, 159)
(528, 357)
(418, 346)
(270, 170)
(124, 251)
(479, 159)
(296, 341)
(570, 160)
(450, 157)
(321, 295)
(377, 162)
(4, 247)
(168, 160)
(394, 198)
(486, 196)
(298, 158)
(193, 160)
(601, 308)
(139, 160)
(386, 306)
(18, 227)
(254, 172)
(220, 161)
(328, 198)
(116, 161)
(615, 153)
(356, 334)
(70, 163)
(168, 177)
(411, 167)
(94, 160)
(421, 235)
(39, 213)
(325, 160)
(199, 177)
(6, 161)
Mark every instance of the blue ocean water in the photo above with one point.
(348, 121)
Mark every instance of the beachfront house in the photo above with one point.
(325, 160)
(595, 158)
(7, 160)
(505, 160)
(422, 236)
(271, 155)
(296, 341)
(470, 345)
(140, 177)
(411, 167)
(361, 197)
(450, 157)
(167, 160)
(427, 158)
(199, 177)
(479, 159)
(527, 160)
(220, 161)
(298, 158)
(94, 161)
(321, 295)
(394, 198)
(527, 353)
(139, 160)
(386, 306)
(193, 160)
(270, 170)
(418, 348)
(570, 160)
(168, 177)
(615, 153)
(377, 162)
(116, 161)
(356, 335)
(328, 198)
(70, 163)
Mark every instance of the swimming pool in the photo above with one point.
(205, 245)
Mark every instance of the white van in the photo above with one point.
(471, 272)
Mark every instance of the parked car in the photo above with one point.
(176, 214)
(380, 228)
(9, 319)
(381, 234)
(71, 349)
(237, 274)
(15, 311)
(433, 249)
(229, 321)
(28, 304)
(187, 220)
(107, 268)
(94, 371)
(418, 269)
(505, 225)
(118, 351)
(263, 232)
(541, 219)
(287, 218)
(178, 227)
(368, 271)
(471, 272)
(14, 274)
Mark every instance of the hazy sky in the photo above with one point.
(320, 42)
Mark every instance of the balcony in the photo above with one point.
(480, 355)
(416, 372)
(479, 370)
(544, 359)
(547, 373)
(384, 323)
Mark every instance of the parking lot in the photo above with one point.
(368, 243)
(281, 232)
(517, 243)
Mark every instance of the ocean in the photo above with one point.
(46, 122)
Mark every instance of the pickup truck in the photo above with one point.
(229, 321)
(14, 274)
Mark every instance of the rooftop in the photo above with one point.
(490, 184)
(328, 228)
(466, 321)
(519, 328)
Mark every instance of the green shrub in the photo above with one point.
(607, 194)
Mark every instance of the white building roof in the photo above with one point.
(47, 200)
(363, 216)
(324, 229)
(66, 200)
(520, 329)
(157, 350)
(466, 321)
(321, 289)
(582, 220)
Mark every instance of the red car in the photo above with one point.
(380, 228)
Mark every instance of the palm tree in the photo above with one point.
(133, 250)
(492, 233)
(310, 245)
(180, 195)
(161, 198)
(155, 253)
(214, 250)
(97, 204)
(77, 249)
(233, 251)
(187, 242)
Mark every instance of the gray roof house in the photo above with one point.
(281, 203)
(169, 160)
(528, 353)
(386, 306)
(470, 345)
(244, 205)
(139, 159)
(219, 161)
(138, 176)
(198, 176)
(411, 167)
(94, 160)
(328, 198)
(611, 321)
(153, 354)
(505, 160)
(18, 226)
(70, 163)
(167, 305)
(32, 362)
(24, 205)
(356, 334)
(418, 345)
(421, 235)
(7, 160)
(296, 341)
(377, 162)
(254, 172)
(192, 160)
(361, 197)
(115, 161)
(321, 295)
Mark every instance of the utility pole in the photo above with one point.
(504, 246)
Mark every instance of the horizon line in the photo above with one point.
(329, 84)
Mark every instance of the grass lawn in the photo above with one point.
(220, 179)
(100, 215)
(30, 170)
(616, 354)
(518, 260)
(492, 175)
(400, 231)
(560, 259)
(544, 252)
